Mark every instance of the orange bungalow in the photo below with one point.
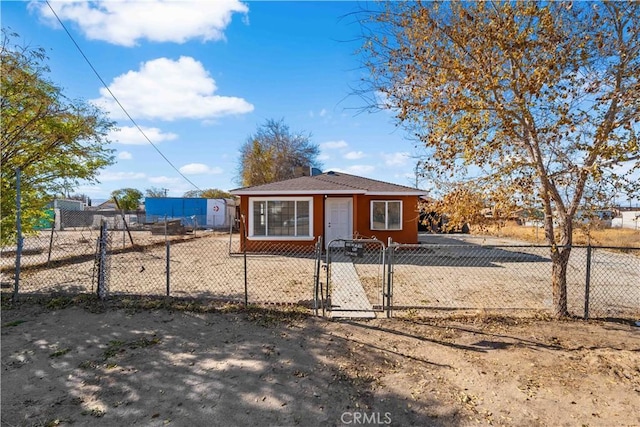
(333, 205)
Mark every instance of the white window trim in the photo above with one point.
(386, 215)
(251, 235)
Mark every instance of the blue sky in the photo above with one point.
(200, 77)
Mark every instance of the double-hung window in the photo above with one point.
(386, 215)
(281, 217)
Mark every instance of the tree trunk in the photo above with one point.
(560, 261)
(560, 252)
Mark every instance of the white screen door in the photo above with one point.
(337, 219)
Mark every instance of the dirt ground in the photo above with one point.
(86, 364)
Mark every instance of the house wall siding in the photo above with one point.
(409, 231)
(256, 245)
(361, 221)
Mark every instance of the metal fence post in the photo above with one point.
(587, 284)
(102, 262)
(53, 226)
(326, 297)
(389, 276)
(244, 255)
(230, 235)
(316, 277)
(19, 236)
(168, 263)
(124, 221)
(195, 226)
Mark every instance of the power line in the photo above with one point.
(117, 101)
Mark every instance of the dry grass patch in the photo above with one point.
(618, 237)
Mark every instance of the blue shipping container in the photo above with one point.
(192, 211)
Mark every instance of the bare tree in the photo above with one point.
(155, 192)
(209, 193)
(274, 153)
(541, 97)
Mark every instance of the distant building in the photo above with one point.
(107, 205)
(67, 205)
(627, 219)
(192, 211)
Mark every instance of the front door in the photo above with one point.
(338, 224)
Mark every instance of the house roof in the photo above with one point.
(329, 183)
(107, 205)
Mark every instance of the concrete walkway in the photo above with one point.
(348, 298)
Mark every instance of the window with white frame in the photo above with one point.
(281, 217)
(386, 215)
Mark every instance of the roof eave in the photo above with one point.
(395, 193)
(290, 192)
(327, 192)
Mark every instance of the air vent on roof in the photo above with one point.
(331, 173)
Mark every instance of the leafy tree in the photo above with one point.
(155, 192)
(540, 97)
(128, 198)
(55, 142)
(274, 153)
(209, 193)
(460, 207)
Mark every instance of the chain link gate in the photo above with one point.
(352, 281)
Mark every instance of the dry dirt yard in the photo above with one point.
(84, 364)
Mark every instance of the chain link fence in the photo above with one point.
(612, 282)
(601, 282)
(470, 277)
(352, 278)
(161, 259)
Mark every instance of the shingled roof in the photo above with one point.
(329, 183)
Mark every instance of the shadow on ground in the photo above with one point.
(166, 367)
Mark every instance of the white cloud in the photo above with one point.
(199, 169)
(361, 170)
(164, 180)
(130, 135)
(168, 90)
(322, 113)
(126, 22)
(91, 190)
(125, 155)
(333, 145)
(396, 159)
(120, 176)
(354, 155)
